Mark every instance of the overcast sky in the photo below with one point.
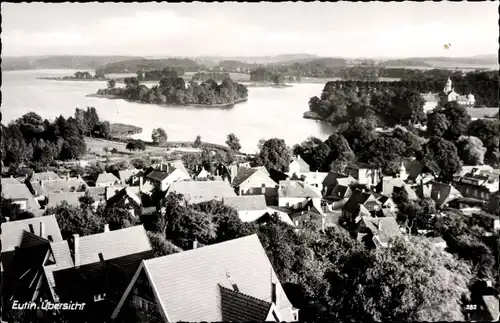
(375, 29)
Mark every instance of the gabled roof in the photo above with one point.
(13, 231)
(238, 307)
(44, 176)
(491, 303)
(290, 188)
(97, 193)
(131, 192)
(390, 185)
(357, 198)
(243, 174)
(331, 179)
(304, 167)
(109, 276)
(441, 193)
(493, 205)
(383, 228)
(277, 176)
(106, 178)
(58, 185)
(20, 192)
(262, 169)
(187, 292)
(166, 165)
(197, 192)
(72, 198)
(113, 244)
(246, 202)
(111, 191)
(62, 256)
(127, 174)
(315, 177)
(159, 176)
(10, 181)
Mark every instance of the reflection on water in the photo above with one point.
(268, 113)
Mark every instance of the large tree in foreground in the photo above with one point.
(410, 281)
(274, 154)
(441, 157)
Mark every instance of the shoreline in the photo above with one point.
(114, 97)
(279, 86)
(63, 79)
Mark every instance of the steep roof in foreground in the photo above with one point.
(187, 284)
(13, 231)
(113, 244)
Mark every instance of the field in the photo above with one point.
(96, 147)
(481, 112)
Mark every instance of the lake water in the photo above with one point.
(268, 113)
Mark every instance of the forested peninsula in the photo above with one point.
(175, 91)
(78, 76)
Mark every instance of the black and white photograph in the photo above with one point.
(250, 162)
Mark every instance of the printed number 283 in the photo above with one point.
(471, 307)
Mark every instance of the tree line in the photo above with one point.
(173, 90)
(31, 139)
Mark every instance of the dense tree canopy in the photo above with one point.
(275, 154)
(233, 142)
(173, 90)
(403, 283)
(470, 150)
(441, 157)
(159, 136)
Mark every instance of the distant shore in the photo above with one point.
(71, 79)
(263, 84)
(114, 97)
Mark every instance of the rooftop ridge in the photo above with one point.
(158, 259)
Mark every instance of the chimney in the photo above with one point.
(379, 225)
(140, 183)
(161, 167)
(41, 183)
(67, 175)
(274, 294)
(76, 244)
(42, 229)
(263, 189)
(32, 230)
(106, 227)
(101, 257)
(195, 243)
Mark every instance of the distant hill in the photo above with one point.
(480, 61)
(59, 62)
(261, 59)
(404, 62)
(134, 65)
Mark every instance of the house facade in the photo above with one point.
(249, 207)
(254, 181)
(298, 167)
(163, 179)
(107, 179)
(296, 194)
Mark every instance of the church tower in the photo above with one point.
(449, 86)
